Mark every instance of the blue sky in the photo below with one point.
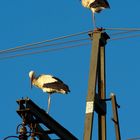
(30, 21)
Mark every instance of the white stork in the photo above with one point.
(49, 84)
(96, 6)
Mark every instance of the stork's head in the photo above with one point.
(32, 76)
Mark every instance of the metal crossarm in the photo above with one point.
(34, 114)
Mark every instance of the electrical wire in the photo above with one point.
(44, 45)
(45, 41)
(10, 137)
(43, 51)
(34, 45)
(39, 45)
(126, 37)
(60, 43)
(138, 138)
(123, 29)
(121, 33)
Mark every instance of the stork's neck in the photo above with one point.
(33, 79)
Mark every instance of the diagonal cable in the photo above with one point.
(43, 51)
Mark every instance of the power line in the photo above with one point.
(138, 138)
(30, 46)
(41, 44)
(122, 32)
(43, 51)
(125, 37)
(44, 45)
(45, 41)
(123, 29)
(35, 45)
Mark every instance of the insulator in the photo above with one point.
(23, 130)
(32, 138)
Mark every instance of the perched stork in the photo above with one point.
(49, 84)
(96, 6)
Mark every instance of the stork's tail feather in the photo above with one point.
(66, 88)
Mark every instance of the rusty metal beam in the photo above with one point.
(42, 117)
(43, 135)
(30, 120)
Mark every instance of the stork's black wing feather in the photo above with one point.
(100, 3)
(58, 79)
(57, 85)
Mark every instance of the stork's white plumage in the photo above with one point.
(49, 84)
(96, 6)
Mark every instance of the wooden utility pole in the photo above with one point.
(95, 102)
(115, 118)
(101, 91)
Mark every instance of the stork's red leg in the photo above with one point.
(94, 22)
(49, 102)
